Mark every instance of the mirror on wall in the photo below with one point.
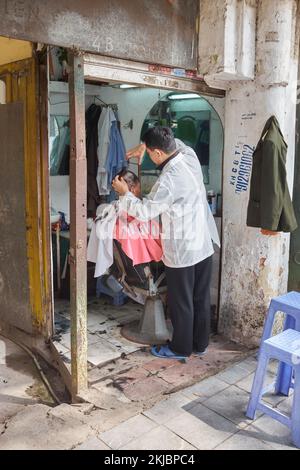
(197, 124)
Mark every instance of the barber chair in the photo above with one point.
(146, 284)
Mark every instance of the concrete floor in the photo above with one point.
(20, 383)
(210, 415)
(207, 415)
(104, 323)
(134, 400)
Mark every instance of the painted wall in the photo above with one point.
(254, 266)
(21, 86)
(12, 50)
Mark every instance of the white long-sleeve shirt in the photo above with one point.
(179, 197)
(104, 125)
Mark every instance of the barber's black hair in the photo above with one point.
(161, 138)
(130, 177)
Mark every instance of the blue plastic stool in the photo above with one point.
(289, 304)
(284, 347)
(118, 299)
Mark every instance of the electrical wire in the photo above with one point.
(37, 365)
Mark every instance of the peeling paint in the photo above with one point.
(281, 271)
(262, 262)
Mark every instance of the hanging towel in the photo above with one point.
(100, 246)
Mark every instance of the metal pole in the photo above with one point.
(78, 229)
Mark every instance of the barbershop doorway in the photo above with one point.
(116, 299)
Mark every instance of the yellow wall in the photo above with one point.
(12, 50)
(22, 85)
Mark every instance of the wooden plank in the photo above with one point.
(45, 203)
(14, 276)
(78, 226)
(21, 85)
(100, 68)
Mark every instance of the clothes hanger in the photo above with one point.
(114, 107)
(101, 101)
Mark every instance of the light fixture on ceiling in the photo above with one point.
(126, 85)
(184, 96)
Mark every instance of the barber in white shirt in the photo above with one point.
(188, 229)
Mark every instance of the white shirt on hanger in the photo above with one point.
(104, 125)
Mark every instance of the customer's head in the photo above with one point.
(132, 180)
(160, 143)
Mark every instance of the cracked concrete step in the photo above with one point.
(39, 427)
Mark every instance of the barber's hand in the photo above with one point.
(120, 185)
(136, 152)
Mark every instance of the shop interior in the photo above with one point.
(115, 313)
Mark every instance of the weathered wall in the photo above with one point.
(227, 38)
(14, 278)
(21, 86)
(152, 31)
(255, 267)
(294, 265)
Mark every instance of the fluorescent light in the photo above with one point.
(185, 96)
(126, 85)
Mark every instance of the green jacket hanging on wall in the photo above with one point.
(270, 206)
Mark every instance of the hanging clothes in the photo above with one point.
(111, 150)
(270, 206)
(93, 197)
(104, 127)
(116, 159)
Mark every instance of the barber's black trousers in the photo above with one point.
(189, 304)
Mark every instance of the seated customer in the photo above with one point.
(140, 241)
(133, 182)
